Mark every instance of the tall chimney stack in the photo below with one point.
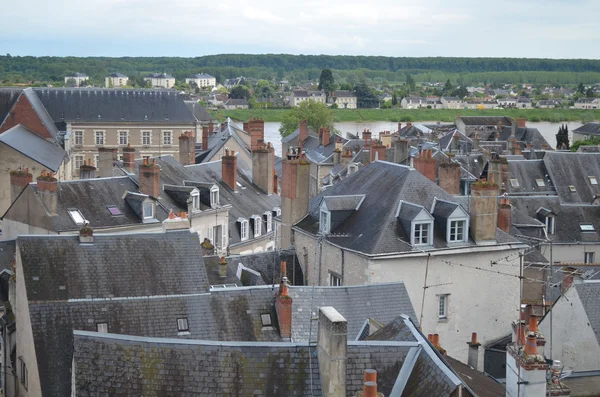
(401, 150)
(449, 177)
(129, 158)
(106, 161)
(257, 132)
(47, 187)
(303, 131)
(87, 170)
(504, 221)
(187, 148)
(366, 135)
(483, 203)
(294, 195)
(473, 358)
(283, 307)
(332, 346)
(378, 152)
(229, 168)
(426, 164)
(19, 179)
(149, 178)
(205, 134)
(263, 162)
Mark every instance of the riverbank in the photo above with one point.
(397, 115)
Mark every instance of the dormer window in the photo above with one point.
(352, 168)
(244, 226)
(214, 197)
(269, 221)
(550, 224)
(277, 211)
(257, 225)
(422, 233)
(195, 201)
(148, 210)
(457, 231)
(325, 222)
(77, 217)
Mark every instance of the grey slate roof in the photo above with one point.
(116, 74)
(198, 111)
(569, 168)
(524, 135)
(527, 172)
(589, 293)
(343, 203)
(114, 105)
(218, 139)
(8, 97)
(30, 144)
(268, 265)
(201, 76)
(589, 129)
(125, 265)
(486, 120)
(356, 303)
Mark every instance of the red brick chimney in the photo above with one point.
(378, 150)
(149, 178)
(283, 307)
(205, 134)
(504, 214)
(449, 177)
(19, 179)
(187, 148)
(229, 169)
(522, 122)
(129, 158)
(294, 195)
(257, 132)
(47, 187)
(211, 127)
(425, 164)
(303, 131)
(324, 136)
(246, 126)
(347, 156)
(366, 135)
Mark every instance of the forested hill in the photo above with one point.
(277, 65)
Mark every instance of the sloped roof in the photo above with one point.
(30, 144)
(527, 172)
(343, 203)
(589, 129)
(8, 97)
(486, 120)
(589, 293)
(117, 74)
(124, 265)
(572, 169)
(268, 265)
(201, 76)
(114, 105)
(198, 111)
(39, 107)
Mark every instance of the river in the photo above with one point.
(547, 129)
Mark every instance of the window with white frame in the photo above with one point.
(24, 373)
(195, 201)
(442, 307)
(257, 226)
(79, 161)
(78, 137)
(421, 233)
(457, 232)
(334, 280)
(214, 197)
(324, 222)
(182, 325)
(244, 230)
(97, 160)
(550, 224)
(277, 211)
(76, 217)
(123, 137)
(167, 137)
(99, 137)
(148, 210)
(593, 180)
(269, 221)
(146, 138)
(224, 236)
(589, 257)
(102, 328)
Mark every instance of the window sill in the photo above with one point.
(183, 333)
(443, 320)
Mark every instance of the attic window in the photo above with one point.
(324, 222)
(593, 180)
(148, 210)
(214, 197)
(182, 325)
(114, 210)
(277, 211)
(586, 227)
(352, 168)
(257, 225)
(514, 182)
(102, 328)
(572, 188)
(269, 221)
(195, 201)
(77, 217)
(540, 182)
(266, 320)
(244, 230)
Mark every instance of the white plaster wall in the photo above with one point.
(11, 229)
(573, 339)
(570, 252)
(536, 386)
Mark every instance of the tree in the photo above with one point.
(315, 113)
(593, 141)
(562, 138)
(581, 88)
(394, 99)
(589, 93)
(410, 83)
(240, 92)
(263, 89)
(448, 88)
(365, 97)
(326, 81)
(71, 82)
(460, 92)
(346, 86)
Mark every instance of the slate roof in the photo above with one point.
(30, 144)
(486, 120)
(201, 76)
(356, 303)
(268, 265)
(524, 135)
(589, 293)
(572, 169)
(527, 172)
(218, 139)
(8, 97)
(117, 74)
(482, 384)
(51, 124)
(114, 105)
(589, 129)
(343, 203)
(198, 111)
(125, 265)
(373, 229)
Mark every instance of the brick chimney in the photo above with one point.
(366, 135)
(339, 144)
(283, 307)
(337, 156)
(426, 164)
(19, 179)
(87, 170)
(473, 358)
(47, 187)
(263, 162)
(129, 158)
(205, 135)
(303, 131)
(257, 132)
(229, 168)
(149, 178)
(294, 195)
(449, 177)
(187, 148)
(483, 204)
(379, 152)
(332, 346)
(401, 150)
(324, 136)
(211, 127)
(106, 161)
(504, 214)
(223, 267)
(386, 138)
(522, 122)
(246, 126)
(347, 156)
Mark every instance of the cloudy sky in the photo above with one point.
(507, 28)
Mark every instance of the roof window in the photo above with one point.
(77, 217)
(586, 227)
(514, 182)
(572, 188)
(182, 325)
(266, 320)
(114, 210)
(593, 180)
(540, 182)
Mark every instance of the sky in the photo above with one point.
(189, 28)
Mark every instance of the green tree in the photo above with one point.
(562, 138)
(394, 99)
(326, 81)
(448, 88)
(240, 92)
(410, 83)
(263, 89)
(589, 93)
(346, 86)
(315, 113)
(71, 82)
(593, 141)
(581, 88)
(365, 97)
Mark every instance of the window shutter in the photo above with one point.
(224, 236)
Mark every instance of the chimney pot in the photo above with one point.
(436, 340)
(474, 338)
(86, 234)
(533, 323)
(370, 375)
(370, 389)
(531, 346)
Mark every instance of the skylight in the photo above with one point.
(572, 188)
(514, 182)
(540, 182)
(114, 211)
(77, 217)
(587, 227)
(593, 180)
